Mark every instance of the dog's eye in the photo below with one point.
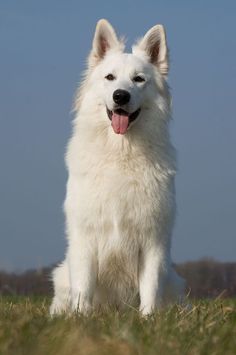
(110, 77)
(138, 79)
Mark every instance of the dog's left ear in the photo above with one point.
(104, 40)
(155, 46)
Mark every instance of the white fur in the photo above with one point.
(120, 202)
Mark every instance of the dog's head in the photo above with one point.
(127, 84)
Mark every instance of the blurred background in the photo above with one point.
(43, 48)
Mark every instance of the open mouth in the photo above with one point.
(121, 119)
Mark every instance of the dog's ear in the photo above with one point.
(155, 46)
(104, 40)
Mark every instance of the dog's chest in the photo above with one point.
(110, 183)
(125, 192)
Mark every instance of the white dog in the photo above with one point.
(120, 202)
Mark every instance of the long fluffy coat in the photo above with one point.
(120, 201)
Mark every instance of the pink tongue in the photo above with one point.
(119, 123)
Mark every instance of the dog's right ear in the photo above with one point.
(155, 46)
(104, 40)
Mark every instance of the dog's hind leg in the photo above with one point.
(61, 299)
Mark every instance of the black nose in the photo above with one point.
(121, 97)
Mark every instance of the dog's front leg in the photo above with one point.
(83, 275)
(153, 271)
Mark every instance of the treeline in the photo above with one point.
(208, 278)
(205, 279)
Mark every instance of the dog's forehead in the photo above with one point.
(128, 61)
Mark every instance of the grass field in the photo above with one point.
(208, 328)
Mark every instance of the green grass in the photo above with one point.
(208, 328)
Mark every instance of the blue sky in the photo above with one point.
(43, 46)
